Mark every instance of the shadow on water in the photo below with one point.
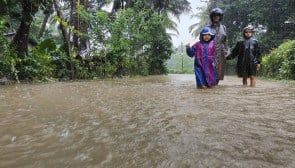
(156, 121)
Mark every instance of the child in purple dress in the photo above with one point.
(204, 53)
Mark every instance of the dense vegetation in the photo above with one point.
(179, 62)
(280, 63)
(77, 39)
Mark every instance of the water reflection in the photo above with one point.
(156, 121)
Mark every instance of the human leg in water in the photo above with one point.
(245, 81)
(252, 81)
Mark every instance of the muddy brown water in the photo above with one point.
(155, 121)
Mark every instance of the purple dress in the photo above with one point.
(205, 63)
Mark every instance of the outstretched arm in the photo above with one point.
(234, 52)
(190, 51)
(224, 41)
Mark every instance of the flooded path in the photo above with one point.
(156, 121)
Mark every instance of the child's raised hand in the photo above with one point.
(187, 45)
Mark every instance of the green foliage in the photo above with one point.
(280, 63)
(158, 46)
(139, 42)
(231, 67)
(131, 41)
(102, 65)
(38, 65)
(141, 66)
(180, 62)
(62, 65)
(101, 25)
(8, 62)
(104, 70)
(8, 59)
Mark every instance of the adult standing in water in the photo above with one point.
(220, 39)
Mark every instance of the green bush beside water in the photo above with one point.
(280, 63)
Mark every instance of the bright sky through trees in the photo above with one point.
(185, 21)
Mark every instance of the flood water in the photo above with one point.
(156, 121)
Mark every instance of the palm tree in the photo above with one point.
(202, 15)
(175, 7)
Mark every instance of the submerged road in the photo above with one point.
(155, 121)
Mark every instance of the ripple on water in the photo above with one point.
(159, 121)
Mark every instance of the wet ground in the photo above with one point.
(156, 121)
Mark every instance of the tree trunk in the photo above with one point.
(117, 4)
(43, 26)
(65, 36)
(21, 39)
(129, 3)
(80, 36)
(71, 20)
(63, 28)
(75, 23)
(83, 28)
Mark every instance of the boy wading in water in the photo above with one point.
(204, 53)
(249, 56)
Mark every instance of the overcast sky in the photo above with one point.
(184, 23)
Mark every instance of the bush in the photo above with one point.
(38, 65)
(8, 62)
(8, 58)
(280, 63)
